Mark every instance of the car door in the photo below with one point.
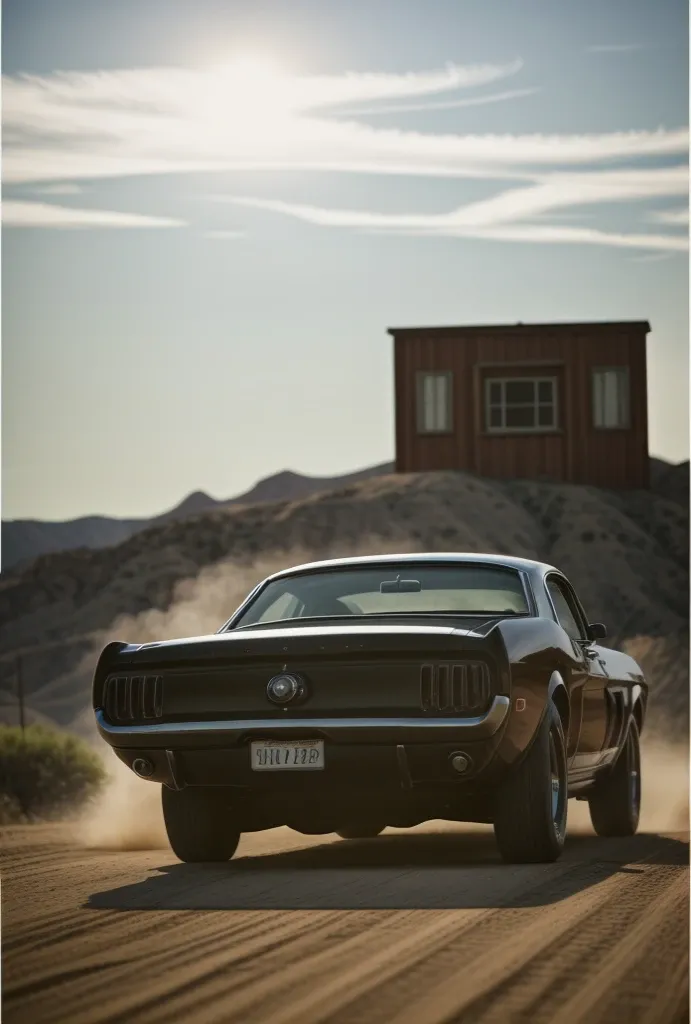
(589, 703)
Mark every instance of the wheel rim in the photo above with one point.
(556, 787)
(634, 766)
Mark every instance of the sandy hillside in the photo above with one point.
(26, 539)
(626, 553)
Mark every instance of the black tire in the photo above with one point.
(531, 806)
(615, 803)
(360, 831)
(199, 824)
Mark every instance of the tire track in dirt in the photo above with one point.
(116, 938)
(332, 975)
(187, 963)
(500, 951)
(652, 915)
(392, 965)
(584, 959)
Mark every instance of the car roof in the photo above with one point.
(528, 565)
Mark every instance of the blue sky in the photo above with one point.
(212, 211)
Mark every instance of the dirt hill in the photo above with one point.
(25, 539)
(626, 553)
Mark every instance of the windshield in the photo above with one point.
(397, 589)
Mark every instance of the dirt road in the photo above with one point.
(409, 928)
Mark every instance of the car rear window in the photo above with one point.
(398, 589)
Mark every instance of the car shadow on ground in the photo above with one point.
(433, 871)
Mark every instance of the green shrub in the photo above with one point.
(45, 773)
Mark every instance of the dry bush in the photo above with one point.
(45, 773)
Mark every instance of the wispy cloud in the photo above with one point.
(165, 120)
(579, 236)
(615, 47)
(679, 218)
(45, 215)
(651, 257)
(493, 217)
(469, 101)
(64, 189)
(310, 92)
(75, 126)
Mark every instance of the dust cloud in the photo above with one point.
(202, 604)
(664, 789)
(128, 813)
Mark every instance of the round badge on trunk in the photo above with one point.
(285, 688)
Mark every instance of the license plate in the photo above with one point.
(287, 755)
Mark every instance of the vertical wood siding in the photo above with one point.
(576, 452)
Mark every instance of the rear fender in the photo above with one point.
(638, 705)
(559, 696)
(631, 717)
(634, 711)
(529, 704)
(108, 656)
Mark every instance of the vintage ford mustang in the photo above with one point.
(350, 695)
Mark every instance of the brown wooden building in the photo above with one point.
(538, 401)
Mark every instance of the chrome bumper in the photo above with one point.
(337, 730)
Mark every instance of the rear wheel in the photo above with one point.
(530, 812)
(199, 824)
(360, 831)
(615, 803)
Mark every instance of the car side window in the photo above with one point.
(568, 618)
(285, 606)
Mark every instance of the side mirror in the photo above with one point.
(597, 631)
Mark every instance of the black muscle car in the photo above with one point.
(348, 695)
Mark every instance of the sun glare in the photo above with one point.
(250, 70)
(254, 66)
(246, 96)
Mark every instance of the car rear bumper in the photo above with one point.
(359, 752)
(335, 730)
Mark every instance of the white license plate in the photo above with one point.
(286, 755)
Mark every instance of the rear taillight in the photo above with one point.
(462, 687)
(129, 698)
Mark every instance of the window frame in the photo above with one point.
(552, 379)
(420, 378)
(235, 621)
(572, 600)
(623, 371)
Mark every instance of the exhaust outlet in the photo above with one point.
(143, 767)
(460, 762)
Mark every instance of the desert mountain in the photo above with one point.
(626, 552)
(24, 539)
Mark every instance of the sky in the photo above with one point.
(212, 212)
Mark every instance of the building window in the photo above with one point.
(520, 404)
(434, 403)
(611, 398)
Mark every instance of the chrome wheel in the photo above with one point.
(615, 801)
(634, 768)
(555, 797)
(557, 785)
(531, 805)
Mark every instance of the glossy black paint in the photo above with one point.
(358, 668)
